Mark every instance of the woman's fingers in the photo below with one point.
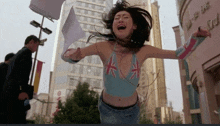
(74, 54)
(68, 52)
(203, 33)
(78, 54)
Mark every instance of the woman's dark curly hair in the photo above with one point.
(139, 16)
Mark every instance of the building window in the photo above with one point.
(89, 59)
(98, 14)
(193, 97)
(86, 11)
(81, 69)
(101, 1)
(92, 13)
(89, 71)
(87, 34)
(92, 20)
(93, 6)
(73, 81)
(196, 118)
(97, 72)
(86, 5)
(85, 70)
(88, 80)
(91, 27)
(78, 10)
(75, 68)
(85, 19)
(96, 83)
(84, 26)
(79, 3)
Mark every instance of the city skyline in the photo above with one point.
(15, 26)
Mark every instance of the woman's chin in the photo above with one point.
(124, 38)
(121, 36)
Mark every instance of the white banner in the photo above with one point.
(47, 8)
(72, 31)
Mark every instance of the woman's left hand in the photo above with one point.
(202, 33)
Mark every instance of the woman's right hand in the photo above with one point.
(74, 54)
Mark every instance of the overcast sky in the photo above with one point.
(15, 18)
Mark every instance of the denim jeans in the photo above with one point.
(109, 115)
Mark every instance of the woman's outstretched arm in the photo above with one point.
(196, 39)
(182, 52)
(75, 55)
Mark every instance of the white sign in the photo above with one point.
(59, 93)
(47, 8)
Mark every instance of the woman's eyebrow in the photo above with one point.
(121, 15)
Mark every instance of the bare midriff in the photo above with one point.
(120, 101)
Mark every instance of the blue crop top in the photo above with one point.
(117, 86)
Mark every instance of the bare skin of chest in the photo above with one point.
(124, 64)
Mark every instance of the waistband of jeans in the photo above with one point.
(114, 107)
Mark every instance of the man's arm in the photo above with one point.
(24, 64)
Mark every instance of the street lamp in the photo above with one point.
(36, 24)
(42, 42)
(46, 30)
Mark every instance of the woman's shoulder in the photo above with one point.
(144, 48)
(106, 44)
(105, 49)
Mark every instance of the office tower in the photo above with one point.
(66, 76)
(152, 87)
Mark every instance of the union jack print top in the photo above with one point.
(117, 86)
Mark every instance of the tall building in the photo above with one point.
(152, 87)
(66, 76)
(200, 86)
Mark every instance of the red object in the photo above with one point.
(37, 76)
(135, 70)
(111, 67)
(188, 49)
(58, 98)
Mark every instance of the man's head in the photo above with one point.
(131, 22)
(32, 43)
(8, 57)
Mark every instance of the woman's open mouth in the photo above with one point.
(121, 28)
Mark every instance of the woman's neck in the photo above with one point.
(121, 49)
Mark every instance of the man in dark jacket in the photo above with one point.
(3, 72)
(4, 69)
(15, 87)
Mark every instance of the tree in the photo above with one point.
(80, 108)
(143, 116)
(177, 121)
(39, 119)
